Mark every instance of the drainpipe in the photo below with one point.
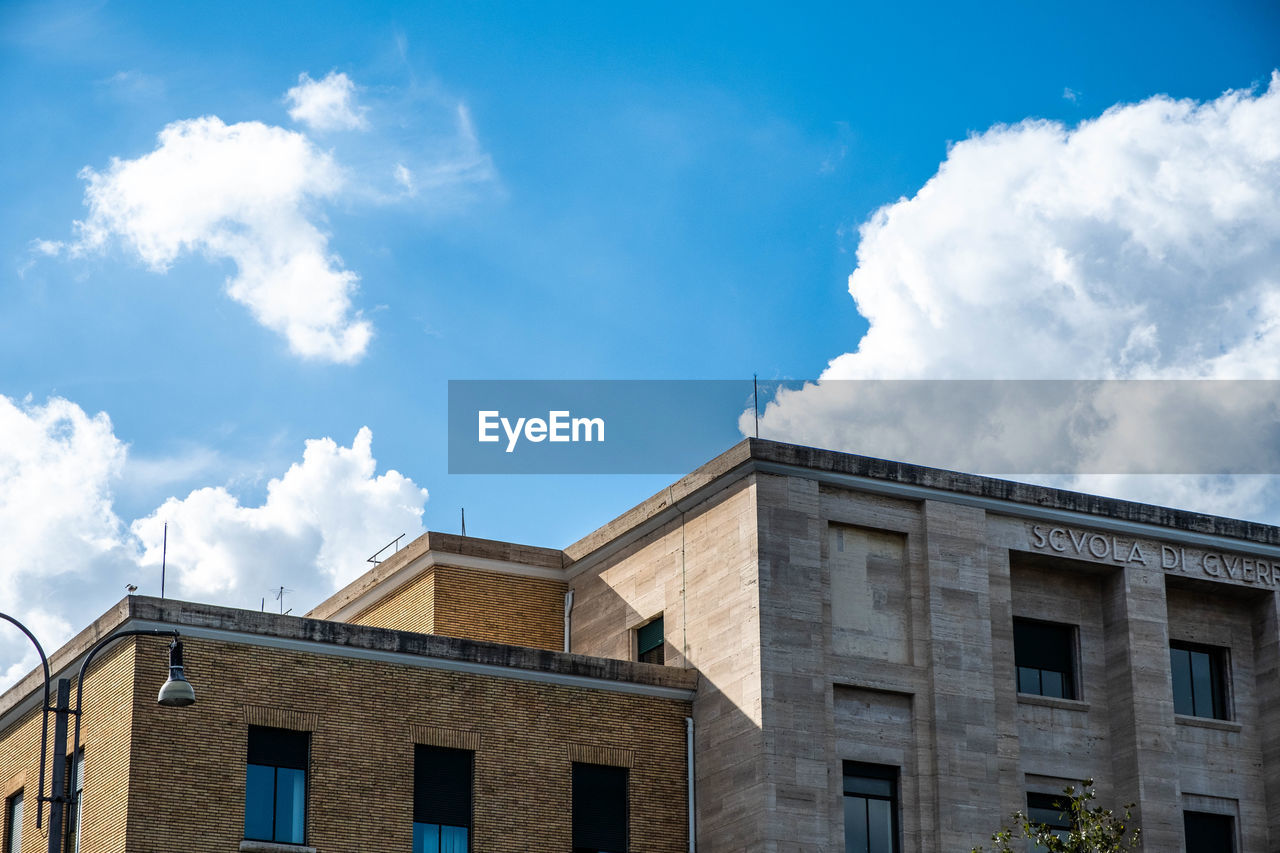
(568, 609)
(688, 738)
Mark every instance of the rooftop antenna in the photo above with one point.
(755, 395)
(464, 521)
(164, 555)
(280, 598)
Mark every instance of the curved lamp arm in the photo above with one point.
(84, 667)
(44, 723)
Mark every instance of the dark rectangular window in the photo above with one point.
(13, 823)
(1045, 656)
(275, 791)
(1209, 833)
(870, 808)
(1199, 680)
(1047, 811)
(442, 782)
(649, 642)
(599, 809)
(76, 808)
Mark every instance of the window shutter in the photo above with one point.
(1041, 645)
(278, 747)
(599, 807)
(649, 636)
(442, 785)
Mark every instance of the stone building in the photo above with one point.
(844, 653)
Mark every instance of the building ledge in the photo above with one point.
(269, 629)
(1051, 702)
(1208, 723)
(248, 846)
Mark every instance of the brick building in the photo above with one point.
(845, 653)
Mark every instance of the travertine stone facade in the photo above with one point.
(699, 571)
(899, 649)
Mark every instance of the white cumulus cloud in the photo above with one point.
(240, 192)
(319, 523)
(67, 554)
(59, 532)
(327, 104)
(57, 465)
(254, 194)
(1144, 243)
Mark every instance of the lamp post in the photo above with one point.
(176, 692)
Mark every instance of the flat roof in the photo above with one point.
(852, 470)
(432, 548)
(298, 633)
(751, 455)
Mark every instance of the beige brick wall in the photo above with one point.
(410, 608)
(19, 766)
(105, 738)
(476, 605)
(105, 734)
(366, 717)
(519, 611)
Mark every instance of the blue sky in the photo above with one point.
(658, 192)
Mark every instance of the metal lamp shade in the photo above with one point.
(177, 691)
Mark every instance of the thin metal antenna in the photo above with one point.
(464, 521)
(280, 598)
(755, 393)
(164, 556)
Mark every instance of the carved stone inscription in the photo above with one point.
(1091, 545)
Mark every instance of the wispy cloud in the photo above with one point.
(149, 474)
(132, 85)
(432, 155)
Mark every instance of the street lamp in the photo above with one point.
(176, 692)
